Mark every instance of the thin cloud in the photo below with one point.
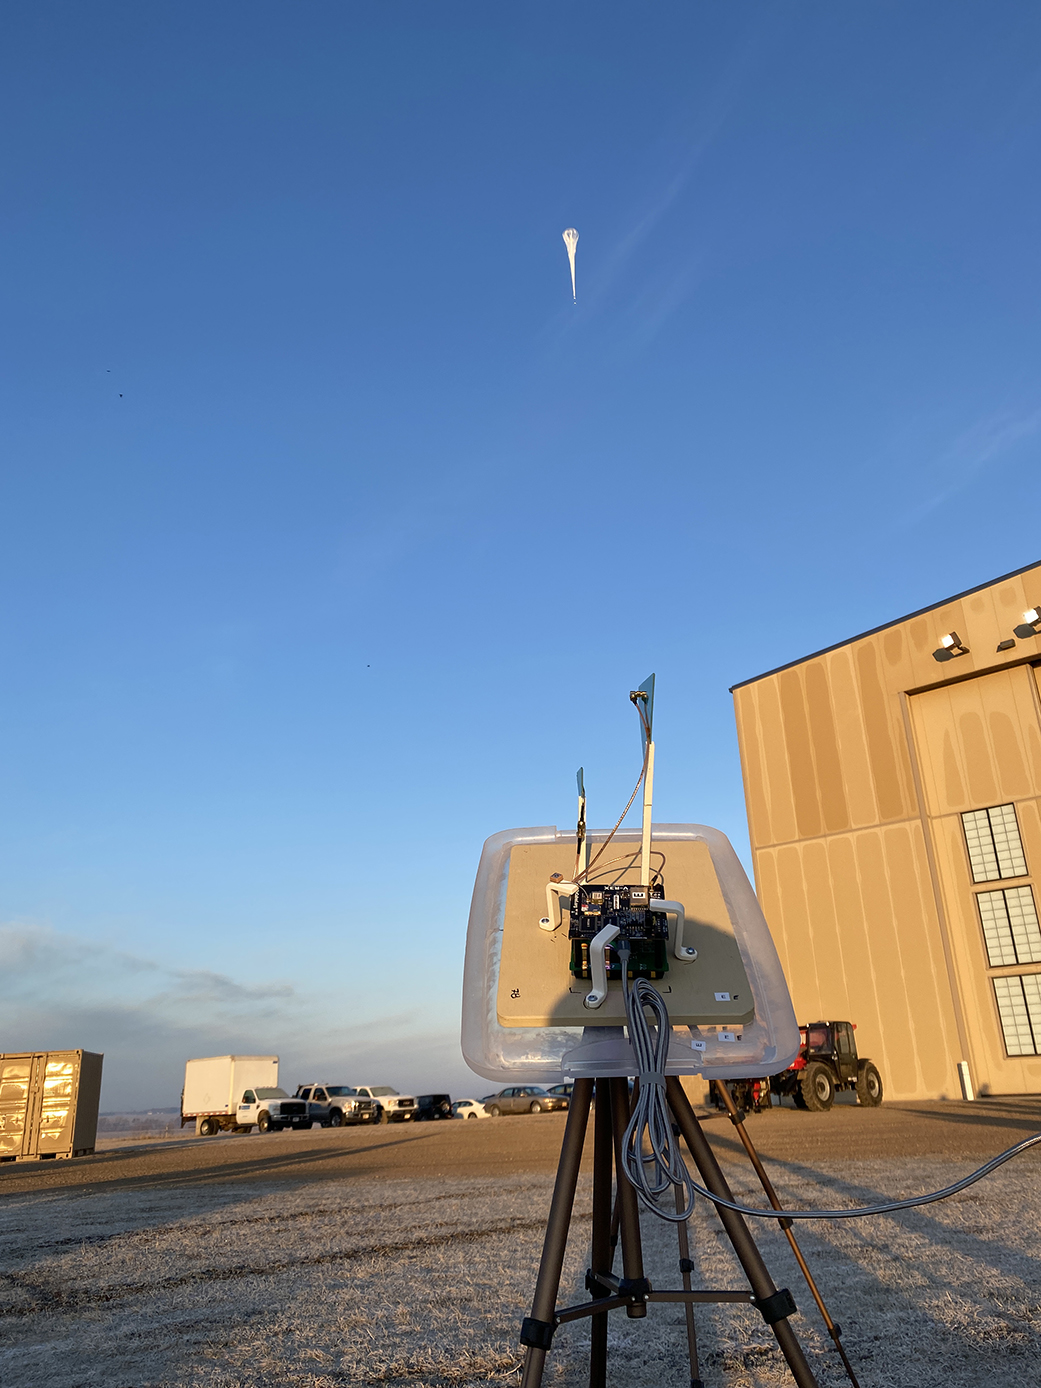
(985, 443)
(717, 106)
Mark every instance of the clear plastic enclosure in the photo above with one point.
(764, 1045)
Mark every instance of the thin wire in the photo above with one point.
(630, 858)
(618, 824)
(636, 787)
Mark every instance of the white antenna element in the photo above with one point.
(643, 698)
(583, 841)
(571, 241)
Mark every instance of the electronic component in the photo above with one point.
(627, 907)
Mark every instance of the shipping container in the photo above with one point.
(49, 1104)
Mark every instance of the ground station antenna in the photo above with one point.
(616, 1194)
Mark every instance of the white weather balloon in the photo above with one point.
(571, 241)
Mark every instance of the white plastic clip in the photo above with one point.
(598, 965)
(686, 953)
(554, 917)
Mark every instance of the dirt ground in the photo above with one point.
(401, 1255)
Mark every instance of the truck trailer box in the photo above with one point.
(214, 1085)
(49, 1104)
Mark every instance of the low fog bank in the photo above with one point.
(148, 1018)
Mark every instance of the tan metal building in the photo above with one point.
(893, 787)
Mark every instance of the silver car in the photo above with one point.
(524, 1098)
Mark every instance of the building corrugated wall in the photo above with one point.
(868, 769)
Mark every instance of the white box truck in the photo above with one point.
(231, 1093)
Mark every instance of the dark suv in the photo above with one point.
(524, 1098)
(430, 1106)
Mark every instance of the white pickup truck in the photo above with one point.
(333, 1105)
(394, 1107)
(271, 1109)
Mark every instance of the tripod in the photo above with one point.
(632, 1292)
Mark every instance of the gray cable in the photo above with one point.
(652, 1176)
(667, 1167)
(859, 1211)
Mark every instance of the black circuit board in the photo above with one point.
(593, 907)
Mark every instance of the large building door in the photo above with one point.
(978, 744)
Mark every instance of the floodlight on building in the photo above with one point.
(1031, 622)
(951, 645)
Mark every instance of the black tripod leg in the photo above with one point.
(537, 1331)
(737, 1230)
(628, 1205)
(738, 1120)
(685, 1266)
(602, 1256)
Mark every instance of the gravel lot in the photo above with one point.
(409, 1256)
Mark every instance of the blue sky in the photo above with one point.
(334, 535)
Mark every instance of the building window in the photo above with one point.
(995, 848)
(1019, 1007)
(1010, 926)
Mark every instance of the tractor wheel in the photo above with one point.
(818, 1087)
(869, 1084)
(797, 1098)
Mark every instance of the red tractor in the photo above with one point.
(827, 1061)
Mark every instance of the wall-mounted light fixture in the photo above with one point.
(1031, 622)
(951, 645)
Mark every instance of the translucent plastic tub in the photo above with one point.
(763, 1046)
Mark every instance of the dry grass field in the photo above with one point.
(409, 1257)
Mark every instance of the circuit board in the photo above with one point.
(647, 932)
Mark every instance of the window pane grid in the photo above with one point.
(1019, 1007)
(995, 848)
(1010, 926)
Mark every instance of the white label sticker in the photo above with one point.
(727, 1036)
(722, 997)
(697, 1045)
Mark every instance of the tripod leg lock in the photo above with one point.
(777, 1307)
(606, 1284)
(687, 1266)
(537, 1334)
(636, 1287)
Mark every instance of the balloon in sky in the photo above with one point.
(571, 241)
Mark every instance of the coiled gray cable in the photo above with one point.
(652, 1176)
(666, 1165)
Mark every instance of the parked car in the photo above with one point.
(431, 1106)
(469, 1108)
(524, 1098)
(564, 1089)
(333, 1105)
(394, 1107)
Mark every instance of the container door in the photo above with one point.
(59, 1083)
(16, 1089)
